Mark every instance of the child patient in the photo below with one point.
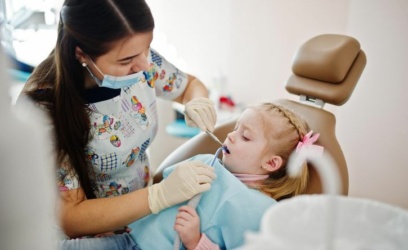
(250, 178)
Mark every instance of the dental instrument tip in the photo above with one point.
(225, 149)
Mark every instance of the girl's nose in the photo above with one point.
(230, 136)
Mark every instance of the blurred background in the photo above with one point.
(27, 184)
(243, 50)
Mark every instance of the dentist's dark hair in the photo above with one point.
(58, 83)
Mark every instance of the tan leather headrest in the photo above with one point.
(324, 123)
(327, 67)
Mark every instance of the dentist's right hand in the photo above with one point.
(188, 179)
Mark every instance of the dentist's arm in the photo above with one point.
(80, 216)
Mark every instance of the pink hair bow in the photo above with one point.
(308, 141)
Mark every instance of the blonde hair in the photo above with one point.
(283, 130)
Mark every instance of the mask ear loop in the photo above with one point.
(96, 79)
(196, 199)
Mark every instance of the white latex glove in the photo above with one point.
(200, 112)
(188, 179)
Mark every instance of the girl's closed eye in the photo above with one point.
(245, 137)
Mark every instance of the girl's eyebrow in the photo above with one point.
(246, 127)
(247, 131)
(243, 125)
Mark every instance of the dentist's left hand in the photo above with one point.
(200, 112)
(188, 179)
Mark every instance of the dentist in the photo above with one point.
(99, 86)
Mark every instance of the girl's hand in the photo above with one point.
(187, 225)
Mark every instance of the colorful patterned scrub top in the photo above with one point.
(123, 125)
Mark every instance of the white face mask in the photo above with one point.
(117, 82)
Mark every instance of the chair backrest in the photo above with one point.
(326, 69)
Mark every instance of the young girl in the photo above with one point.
(259, 148)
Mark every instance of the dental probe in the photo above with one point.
(215, 138)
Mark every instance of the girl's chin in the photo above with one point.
(225, 162)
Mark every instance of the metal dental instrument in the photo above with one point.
(213, 137)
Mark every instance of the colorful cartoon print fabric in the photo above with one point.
(122, 128)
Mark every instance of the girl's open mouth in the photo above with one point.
(225, 149)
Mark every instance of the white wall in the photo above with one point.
(372, 127)
(200, 32)
(266, 35)
(252, 42)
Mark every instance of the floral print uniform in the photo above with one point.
(123, 125)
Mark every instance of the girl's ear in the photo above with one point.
(80, 55)
(273, 164)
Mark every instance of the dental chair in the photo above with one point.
(325, 69)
